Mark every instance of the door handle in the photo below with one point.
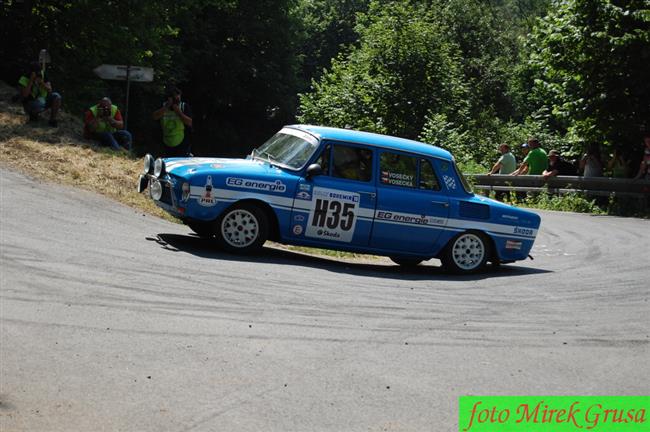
(372, 194)
(442, 203)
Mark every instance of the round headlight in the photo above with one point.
(156, 190)
(158, 167)
(143, 181)
(148, 164)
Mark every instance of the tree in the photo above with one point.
(328, 28)
(403, 69)
(588, 71)
(241, 70)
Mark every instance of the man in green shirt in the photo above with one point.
(536, 160)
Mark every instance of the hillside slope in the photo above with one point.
(62, 155)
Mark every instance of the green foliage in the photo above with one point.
(130, 33)
(240, 70)
(328, 28)
(573, 202)
(438, 71)
(401, 71)
(587, 69)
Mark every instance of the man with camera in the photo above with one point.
(37, 95)
(176, 122)
(103, 123)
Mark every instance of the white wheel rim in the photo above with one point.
(240, 228)
(468, 251)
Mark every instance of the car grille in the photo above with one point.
(167, 194)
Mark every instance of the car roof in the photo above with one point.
(385, 141)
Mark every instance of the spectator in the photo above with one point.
(617, 165)
(176, 122)
(644, 168)
(591, 164)
(506, 163)
(103, 123)
(37, 95)
(535, 162)
(524, 152)
(558, 166)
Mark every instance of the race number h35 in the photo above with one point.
(333, 215)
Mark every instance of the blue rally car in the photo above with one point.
(346, 190)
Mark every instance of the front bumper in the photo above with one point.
(167, 200)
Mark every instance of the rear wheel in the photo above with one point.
(243, 228)
(466, 253)
(406, 262)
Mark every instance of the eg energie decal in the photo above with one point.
(276, 186)
(333, 215)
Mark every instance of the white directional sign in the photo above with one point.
(119, 72)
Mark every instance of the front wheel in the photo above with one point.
(243, 228)
(466, 253)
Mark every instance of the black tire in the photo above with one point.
(242, 228)
(202, 229)
(406, 262)
(466, 253)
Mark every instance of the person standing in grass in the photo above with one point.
(103, 123)
(591, 164)
(175, 118)
(535, 162)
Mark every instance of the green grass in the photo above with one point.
(572, 202)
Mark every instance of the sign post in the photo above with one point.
(43, 60)
(126, 73)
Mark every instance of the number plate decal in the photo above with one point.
(333, 214)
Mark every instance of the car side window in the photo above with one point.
(398, 169)
(428, 179)
(324, 160)
(352, 163)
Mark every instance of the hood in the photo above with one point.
(188, 167)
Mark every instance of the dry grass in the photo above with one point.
(62, 155)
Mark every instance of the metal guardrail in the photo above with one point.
(597, 186)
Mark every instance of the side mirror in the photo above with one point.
(314, 170)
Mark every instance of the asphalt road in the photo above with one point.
(114, 320)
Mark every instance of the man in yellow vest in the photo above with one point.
(37, 95)
(103, 123)
(176, 122)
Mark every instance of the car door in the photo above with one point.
(337, 207)
(411, 209)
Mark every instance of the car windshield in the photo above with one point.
(290, 148)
